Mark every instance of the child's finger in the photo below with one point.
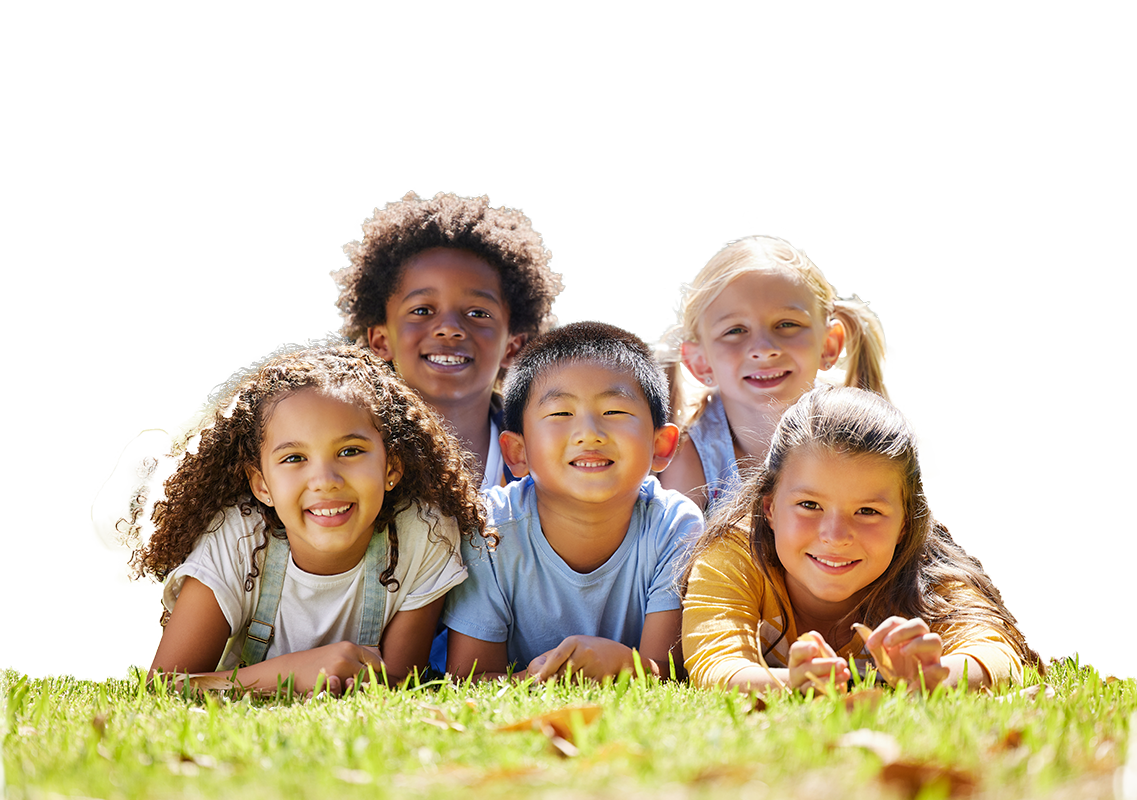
(555, 659)
(905, 630)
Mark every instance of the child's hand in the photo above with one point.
(909, 647)
(812, 661)
(589, 656)
(341, 664)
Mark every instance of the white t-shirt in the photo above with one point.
(315, 610)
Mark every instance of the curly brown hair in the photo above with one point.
(212, 477)
(504, 237)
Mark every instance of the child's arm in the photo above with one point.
(406, 640)
(195, 636)
(466, 655)
(685, 473)
(596, 657)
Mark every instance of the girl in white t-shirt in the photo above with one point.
(359, 495)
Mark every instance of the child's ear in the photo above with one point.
(767, 507)
(834, 344)
(257, 485)
(696, 362)
(394, 473)
(663, 450)
(380, 345)
(513, 451)
(512, 348)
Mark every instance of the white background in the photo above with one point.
(177, 183)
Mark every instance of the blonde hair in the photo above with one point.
(863, 356)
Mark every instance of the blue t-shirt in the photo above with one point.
(524, 594)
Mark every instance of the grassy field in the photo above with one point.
(1066, 736)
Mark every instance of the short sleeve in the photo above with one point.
(221, 560)
(429, 562)
(478, 608)
(679, 527)
(722, 614)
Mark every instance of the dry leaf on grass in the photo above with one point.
(440, 719)
(214, 682)
(1040, 691)
(557, 725)
(883, 745)
(880, 657)
(867, 698)
(912, 779)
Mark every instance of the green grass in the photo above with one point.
(123, 739)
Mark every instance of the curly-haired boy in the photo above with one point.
(448, 290)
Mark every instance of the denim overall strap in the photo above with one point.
(262, 626)
(374, 593)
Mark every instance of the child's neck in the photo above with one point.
(585, 536)
(469, 420)
(751, 429)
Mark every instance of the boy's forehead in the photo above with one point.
(585, 378)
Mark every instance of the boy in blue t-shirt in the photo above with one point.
(591, 546)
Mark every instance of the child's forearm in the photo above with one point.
(976, 676)
(757, 678)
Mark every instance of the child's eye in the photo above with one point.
(479, 313)
(615, 411)
(868, 512)
(292, 458)
(810, 505)
(559, 414)
(351, 451)
(737, 329)
(421, 311)
(788, 324)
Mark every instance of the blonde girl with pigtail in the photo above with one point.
(755, 327)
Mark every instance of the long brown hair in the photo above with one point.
(211, 476)
(851, 421)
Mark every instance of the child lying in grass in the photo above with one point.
(835, 530)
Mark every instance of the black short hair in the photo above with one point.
(502, 236)
(595, 342)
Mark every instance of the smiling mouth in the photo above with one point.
(827, 562)
(446, 359)
(590, 463)
(329, 512)
(768, 378)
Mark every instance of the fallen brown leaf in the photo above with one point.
(883, 745)
(912, 778)
(869, 698)
(559, 719)
(880, 658)
(557, 726)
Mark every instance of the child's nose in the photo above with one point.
(836, 530)
(588, 429)
(323, 477)
(763, 346)
(449, 324)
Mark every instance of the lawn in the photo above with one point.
(1065, 736)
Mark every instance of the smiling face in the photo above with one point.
(447, 330)
(324, 470)
(588, 437)
(763, 338)
(837, 520)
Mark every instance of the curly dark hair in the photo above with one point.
(212, 477)
(504, 237)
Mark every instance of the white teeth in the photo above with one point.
(781, 374)
(329, 512)
(440, 358)
(591, 463)
(828, 563)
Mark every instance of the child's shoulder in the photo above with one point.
(513, 502)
